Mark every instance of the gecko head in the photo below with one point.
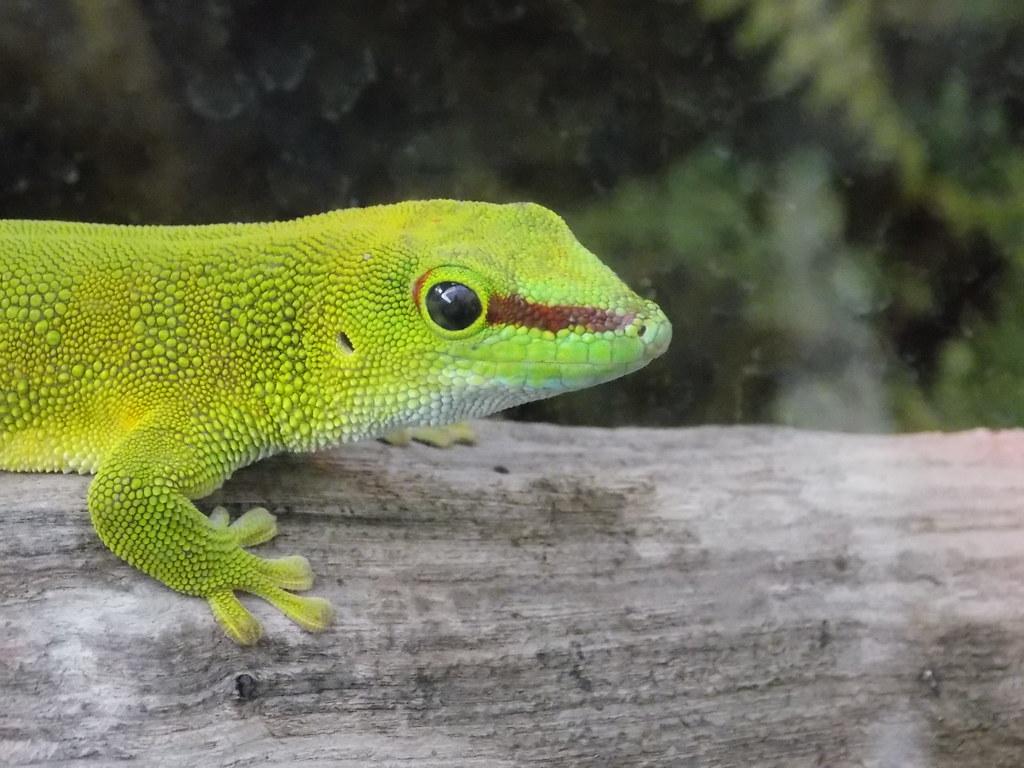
(502, 305)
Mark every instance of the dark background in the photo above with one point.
(826, 197)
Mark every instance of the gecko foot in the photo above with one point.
(266, 578)
(438, 437)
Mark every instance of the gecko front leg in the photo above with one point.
(140, 506)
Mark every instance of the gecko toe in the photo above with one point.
(234, 618)
(292, 572)
(219, 517)
(439, 437)
(312, 613)
(256, 526)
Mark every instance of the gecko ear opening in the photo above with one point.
(345, 343)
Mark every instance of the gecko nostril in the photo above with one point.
(641, 331)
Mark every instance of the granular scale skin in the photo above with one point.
(164, 358)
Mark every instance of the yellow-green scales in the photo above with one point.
(164, 358)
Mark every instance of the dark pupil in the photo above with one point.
(453, 306)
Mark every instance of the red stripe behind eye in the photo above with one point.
(418, 285)
(515, 310)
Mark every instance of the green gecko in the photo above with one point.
(163, 358)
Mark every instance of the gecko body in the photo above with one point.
(162, 359)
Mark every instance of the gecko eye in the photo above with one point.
(453, 306)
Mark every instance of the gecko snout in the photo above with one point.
(654, 330)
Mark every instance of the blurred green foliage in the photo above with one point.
(844, 326)
(827, 196)
(788, 336)
(947, 133)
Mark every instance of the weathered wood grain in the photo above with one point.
(576, 597)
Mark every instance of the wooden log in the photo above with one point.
(553, 596)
